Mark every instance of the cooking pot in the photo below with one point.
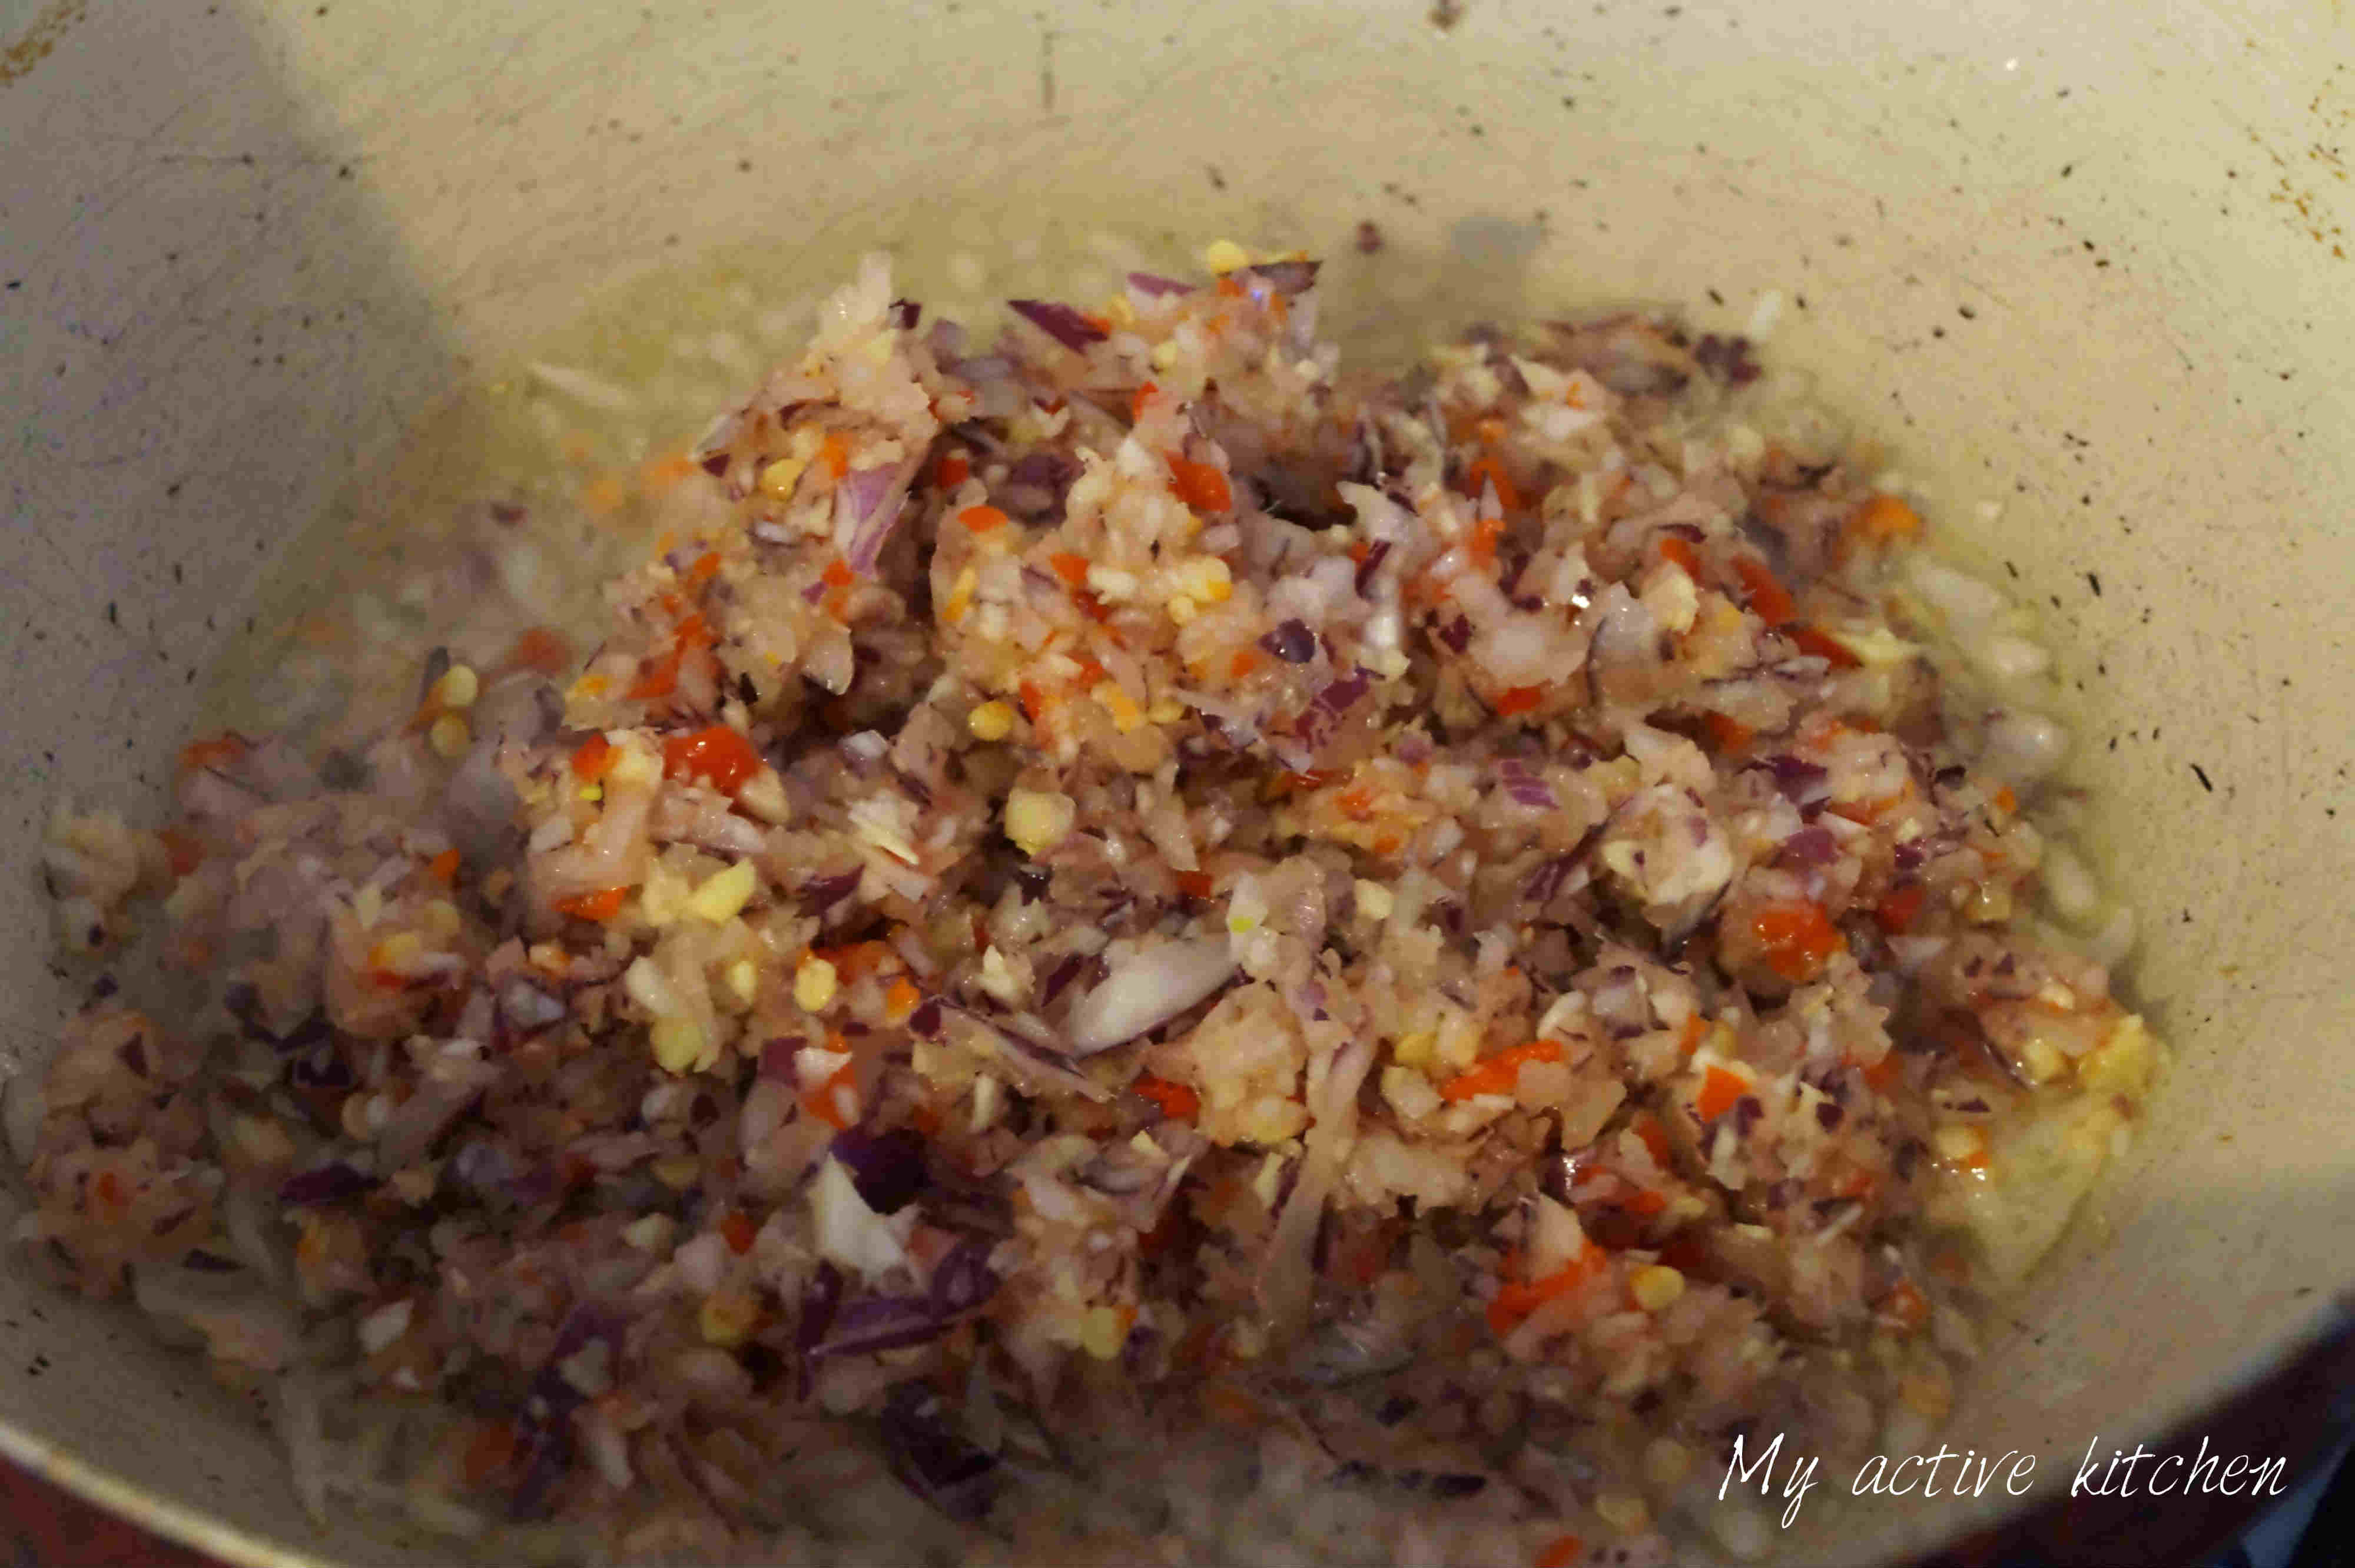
(2085, 268)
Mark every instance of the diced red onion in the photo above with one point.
(1324, 715)
(888, 1167)
(822, 893)
(1292, 642)
(1060, 321)
(963, 1279)
(1285, 277)
(1811, 847)
(777, 1058)
(1154, 283)
(327, 1184)
(1147, 991)
(876, 1323)
(936, 1463)
(1524, 786)
(875, 497)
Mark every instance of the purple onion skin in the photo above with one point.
(888, 1168)
(1060, 321)
(877, 1323)
(1154, 284)
(820, 1300)
(328, 1184)
(1811, 847)
(962, 1280)
(820, 894)
(1292, 642)
(930, 1458)
(1285, 277)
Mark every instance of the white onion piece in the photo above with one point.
(2115, 940)
(2010, 658)
(2069, 884)
(1955, 594)
(23, 1103)
(1148, 990)
(2023, 747)
(849, 1231)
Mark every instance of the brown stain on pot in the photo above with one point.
(33, 45)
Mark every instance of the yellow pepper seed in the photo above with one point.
(815, 984)
(1656, 1286)
(990, 721)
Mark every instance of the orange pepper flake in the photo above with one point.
(489, 1452)
(1483, 543)
(1858, 1183)
(592, 759)
(1653, 1137)
(927, 1120)
(1516, 700)
(983, 519)
(2005, 801)
(1488, 471)
(1884, 520)
(1242, 663)
(1882, 1074)
(1561, 1552)
(1137, 401)
(716, 754)
(736, 1228)
(1898, 908)
(1679, 550)
(952, 470)
(1769, 599)
(182, 849)
(600, 906)
(855, 961)
(661, 678)
(835, 1100)
(1177, 1102)
(1645, 1203)
(542, 649)
(444, 867)
(1794, 938)
(1229, 287)
(1907, 1305)
(837, 574)
(1515, 1300)
(1721, 1091)
(1499, 1074)
(1823, 645)
(705, 568)
(1357, 804)
(603, 495)
(1073, 568)
(1194, 884)
(834, 457)
(107, 1189)
(1199, 484)
(213, 753)
(1695, 1030)
(659, 474)
(1224, 1401)
(901, 1000)
(1726, 735)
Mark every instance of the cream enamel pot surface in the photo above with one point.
(2089, 261)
